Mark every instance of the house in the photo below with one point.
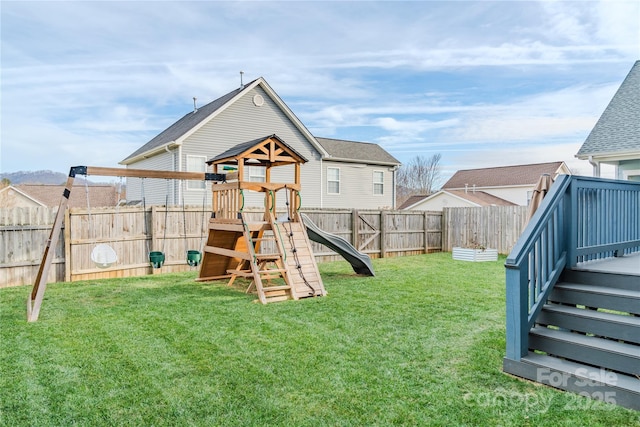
(453, 199)
(36, 195)
(615, 138)
(337, 174)
(496, 186)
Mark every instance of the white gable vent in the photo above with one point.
(258, 100)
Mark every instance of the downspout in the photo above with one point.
(596, 166)
(173, 192)
(322, 183)
(180, 170)
(393, 188)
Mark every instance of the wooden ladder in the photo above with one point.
(269, 271)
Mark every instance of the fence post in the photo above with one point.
(354, 228)
(425, 225)
(67, 245)
(383, 233)
(152, 229)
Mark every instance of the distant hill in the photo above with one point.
(39, 177)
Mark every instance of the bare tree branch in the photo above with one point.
(421, 176)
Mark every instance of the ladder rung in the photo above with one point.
(277, 298)
(276, 288)
(264, 257)
(241, 273)
(273, 270)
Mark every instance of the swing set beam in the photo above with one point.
(39, 286)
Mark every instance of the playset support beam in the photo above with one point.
(37, 293)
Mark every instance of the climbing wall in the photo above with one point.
(305, 281)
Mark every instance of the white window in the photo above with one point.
(196, 164)
(333, 181)
(257, 173)
(378, 182)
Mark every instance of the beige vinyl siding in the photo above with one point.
(356, 186)
(243, 121)
(155, 190)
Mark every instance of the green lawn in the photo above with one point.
(419, 344)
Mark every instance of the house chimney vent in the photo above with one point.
(195, 107)
(241, 82)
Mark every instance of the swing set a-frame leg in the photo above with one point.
(37, 293)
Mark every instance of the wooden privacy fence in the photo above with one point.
(496, 227)
(23, 234)
(132, 233)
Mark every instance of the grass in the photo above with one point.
(419, 344)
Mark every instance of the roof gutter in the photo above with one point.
(166, 147)
(366, 162)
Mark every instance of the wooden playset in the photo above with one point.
(274, 253)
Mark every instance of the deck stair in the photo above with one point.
(586, 338)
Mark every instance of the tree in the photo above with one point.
(421, 176)
(5, 182)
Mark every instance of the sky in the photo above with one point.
(482, 83)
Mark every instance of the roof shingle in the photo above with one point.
(351, 150)
(501, 176)
(618, 128)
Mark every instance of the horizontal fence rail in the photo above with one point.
(580, 219)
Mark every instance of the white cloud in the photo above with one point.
(98, 79)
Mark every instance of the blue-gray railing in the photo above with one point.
(581, 219)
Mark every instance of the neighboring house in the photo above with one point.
(453, 199)
(615, 139)
(35, 195)
(338, 174)
(504, 185)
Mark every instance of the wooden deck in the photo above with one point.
(629, 264)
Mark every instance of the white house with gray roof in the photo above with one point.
(337, 174)
(615, 139)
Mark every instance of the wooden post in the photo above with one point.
(354, 228)
(426, 232)
(383, 233)
(152, 237)
(40, 285)
(517, 325)
(67, 246)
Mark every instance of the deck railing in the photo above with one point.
(606, 219)
(580, 219)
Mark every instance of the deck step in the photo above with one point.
(597, 296)
(611, 280)
(606, 325)
(622, 357)
(596, 383)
